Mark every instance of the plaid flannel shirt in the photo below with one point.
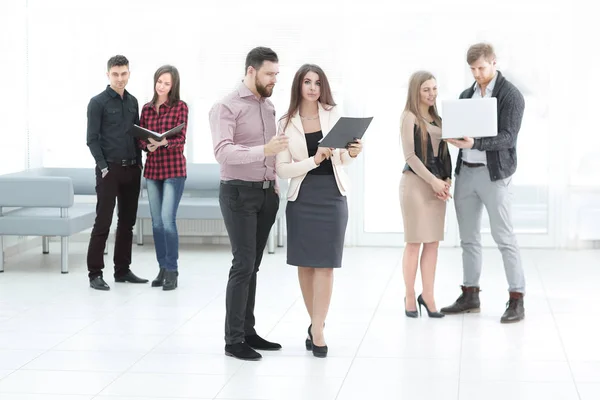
(165, 162)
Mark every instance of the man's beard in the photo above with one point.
(264, 91)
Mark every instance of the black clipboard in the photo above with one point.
(143, 133)
(345, 131)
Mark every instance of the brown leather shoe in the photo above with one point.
(515, 309)
(467, 302)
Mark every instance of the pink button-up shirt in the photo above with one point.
(241, 125)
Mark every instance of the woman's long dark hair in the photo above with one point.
(173, 96)
(326, 98)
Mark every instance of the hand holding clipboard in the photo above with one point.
(345, 133)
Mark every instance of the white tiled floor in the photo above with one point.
(59, 339)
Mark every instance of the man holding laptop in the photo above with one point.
(485, 165)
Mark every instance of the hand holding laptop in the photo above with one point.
(464, 143)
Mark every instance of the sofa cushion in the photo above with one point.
(33, 221)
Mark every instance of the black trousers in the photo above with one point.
(122, 185)
(249, 214)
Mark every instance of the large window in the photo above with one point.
(54, 57)
(526, 49)
(13, 102)
(70, 42)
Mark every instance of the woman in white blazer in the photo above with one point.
(317, 211)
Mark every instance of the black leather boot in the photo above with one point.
(467, 302)
(170, 280)
(515, 309)
(160, 278)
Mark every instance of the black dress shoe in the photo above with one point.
(170, 282)
(242, 351)
(160, 278)
(99, 284)
(130, 277)
(256, 342)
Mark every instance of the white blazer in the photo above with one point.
(294, 163)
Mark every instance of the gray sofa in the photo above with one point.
(200, 201)
(41, 202)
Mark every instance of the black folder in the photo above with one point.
(345, 131)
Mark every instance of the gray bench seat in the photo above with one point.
(33, 221)
(42, 202)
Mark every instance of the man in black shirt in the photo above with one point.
(118, 172)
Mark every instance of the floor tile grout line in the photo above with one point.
(460, 358)
(58, 344)
(230, 378)
(157, 345)
(208, 304)
(541, 279)
(285, 313)
(244, 363)
(393, 272)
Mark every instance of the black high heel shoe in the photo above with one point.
(431, 314)
(308, 341)
(410, 314)
(318, 351)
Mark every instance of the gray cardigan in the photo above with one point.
(501, 150)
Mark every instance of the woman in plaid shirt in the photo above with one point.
(165, 170)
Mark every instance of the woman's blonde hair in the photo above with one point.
(413, 99)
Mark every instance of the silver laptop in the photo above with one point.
(469, 117)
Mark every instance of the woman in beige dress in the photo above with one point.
(424, 190)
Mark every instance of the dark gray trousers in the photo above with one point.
(249, 214)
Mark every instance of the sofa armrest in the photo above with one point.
(35, 191)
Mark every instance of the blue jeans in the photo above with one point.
(164, 197)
